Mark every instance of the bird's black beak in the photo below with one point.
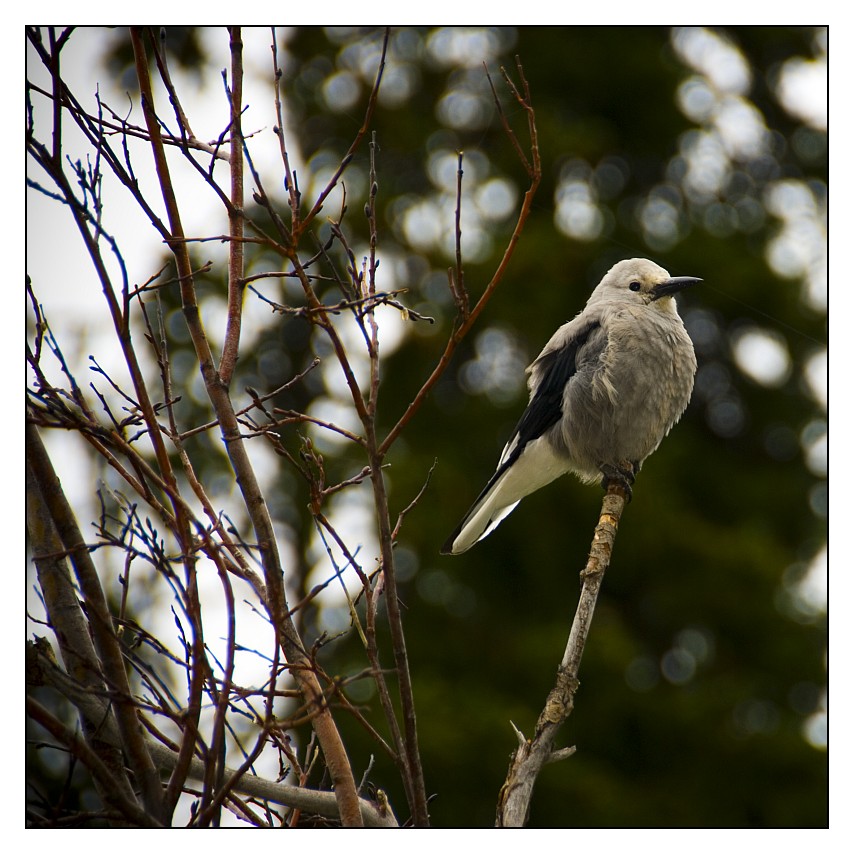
(671, 286)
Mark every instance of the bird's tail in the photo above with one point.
(516, 476)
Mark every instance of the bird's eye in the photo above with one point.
(634, 286)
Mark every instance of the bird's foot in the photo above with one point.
(622, 476)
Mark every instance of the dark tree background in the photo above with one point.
(704, 675)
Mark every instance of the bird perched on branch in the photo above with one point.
(604, 392)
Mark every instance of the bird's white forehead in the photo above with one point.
(640, 268)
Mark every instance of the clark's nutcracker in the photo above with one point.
(604, 392)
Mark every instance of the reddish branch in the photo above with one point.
(302, 671)
(156, 483)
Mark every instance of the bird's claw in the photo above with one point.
(619, 476)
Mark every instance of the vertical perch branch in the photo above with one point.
(514, 800)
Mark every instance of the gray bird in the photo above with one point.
(604, 392)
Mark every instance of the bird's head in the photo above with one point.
(639, 281)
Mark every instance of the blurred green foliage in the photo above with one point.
(692, 703)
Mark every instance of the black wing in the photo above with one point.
(557, 367)
(545, 409)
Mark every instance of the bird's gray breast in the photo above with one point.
(633, 382)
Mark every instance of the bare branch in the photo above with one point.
(112, 791)
(234, 780)
(334, 752)
(236, 282)
(106, 643)
(531, 755)
(455, 275)
(172, 716)
(366, 123)
(534, 169)
(411, 505)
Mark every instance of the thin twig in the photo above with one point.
(455, 276)
(534, 169)
(236, 285)
(403, 513)
(278, 129)
(366, 123)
